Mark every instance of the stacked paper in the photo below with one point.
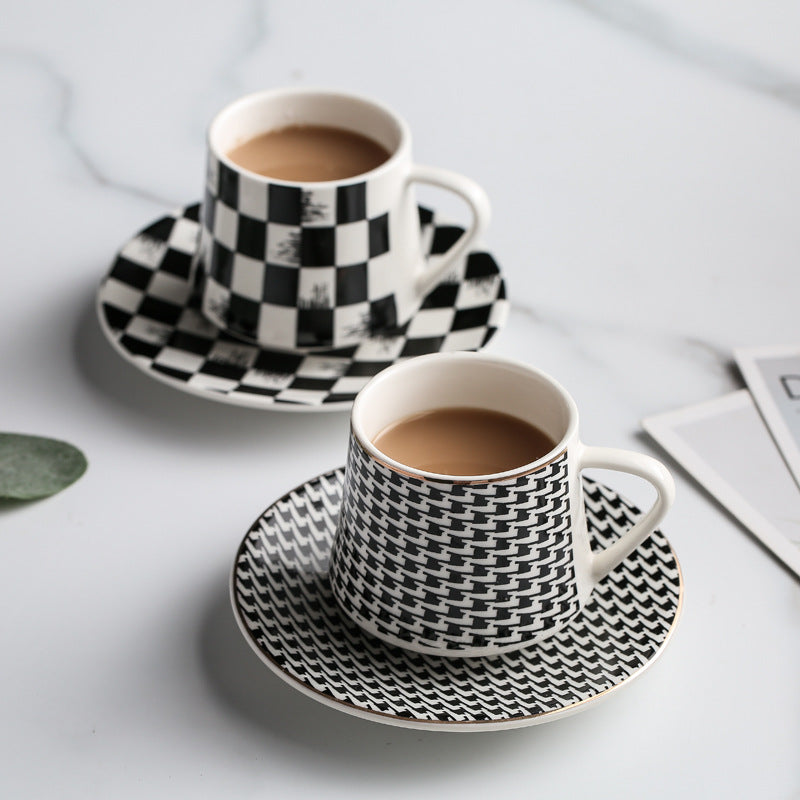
(744, 447)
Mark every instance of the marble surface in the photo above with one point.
(643, 162)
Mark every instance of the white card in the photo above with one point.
(773, 377)
(725, 445)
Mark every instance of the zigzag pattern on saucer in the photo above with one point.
(284, 605)
(151, 314)
(526, 583)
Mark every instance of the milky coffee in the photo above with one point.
(463, 441)
(309, 153)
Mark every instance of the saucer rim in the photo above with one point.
(470, 726)
(242, 400)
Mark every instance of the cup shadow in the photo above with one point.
(141, 401)
(258, 699)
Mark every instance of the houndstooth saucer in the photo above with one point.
(284, 606)
(150, 314)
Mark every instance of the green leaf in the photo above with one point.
(33, 466)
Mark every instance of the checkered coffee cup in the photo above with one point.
(314, 265)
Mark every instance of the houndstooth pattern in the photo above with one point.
(284, 602)
(151, 314)
(454, 566)
(324, 250)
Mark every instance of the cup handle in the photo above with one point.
(481, 212)
(635, 464)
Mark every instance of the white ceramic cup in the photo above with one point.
(483, 564)
(303, 266)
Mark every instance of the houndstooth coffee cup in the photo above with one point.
(303, 266)
(478, 565)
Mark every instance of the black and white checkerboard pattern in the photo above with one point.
(150, 312)
(454, 566)
(286, 609)
(324, 283)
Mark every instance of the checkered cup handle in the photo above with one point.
(478, 203)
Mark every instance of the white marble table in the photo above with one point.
(643, 160)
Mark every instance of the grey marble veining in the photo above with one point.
(65, 93)
(726, 63)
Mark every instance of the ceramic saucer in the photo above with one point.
(284, 607)
(150, 314)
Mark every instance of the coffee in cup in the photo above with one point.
(309, 153)
(463, 441)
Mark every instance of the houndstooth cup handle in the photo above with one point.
(478, 202)
(644, 467)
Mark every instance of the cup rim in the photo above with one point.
(403, 146)
(558, 449)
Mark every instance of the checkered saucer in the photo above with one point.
(285, 608)
(150, 313)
